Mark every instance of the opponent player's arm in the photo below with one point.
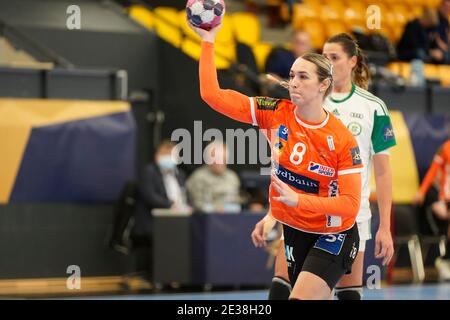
(429, 177)
(346, 204)
(383, 181)
(228, 102)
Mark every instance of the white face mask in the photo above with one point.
(166, 162)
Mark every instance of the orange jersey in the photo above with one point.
(441, 162)
(309, 158)
(321, 162)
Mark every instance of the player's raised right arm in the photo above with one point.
(228, 102)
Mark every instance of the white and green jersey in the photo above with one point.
(366, 116)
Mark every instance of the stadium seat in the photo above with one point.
(334, 27)
(355, 14)
(315, 29)
(246, 28)
(261, 51)
(415, 12)
(397, 15)
(433, 3)
(167, 25)
(396, 33)
(444, 74)
(302, 12)
(142, 15)
(222, 60)
(313, 4)
(403, 69)
(225, 35)
(225, 46)
(431, 71)
(337, 6)
(329, 13)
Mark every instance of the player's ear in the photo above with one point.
(324, 85)
(353, 61)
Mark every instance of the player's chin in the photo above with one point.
(296, 98)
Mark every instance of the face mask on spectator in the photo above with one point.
(166, 163)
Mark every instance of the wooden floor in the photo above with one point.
(25, 288)
(91, 286)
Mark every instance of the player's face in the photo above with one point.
(304, 84)
(342, 63)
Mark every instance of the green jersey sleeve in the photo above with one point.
(382, 133)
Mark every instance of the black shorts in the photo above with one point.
(327, 256)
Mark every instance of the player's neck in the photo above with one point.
(343, 87)
(312, 113)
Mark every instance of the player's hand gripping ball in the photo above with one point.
(205, 14)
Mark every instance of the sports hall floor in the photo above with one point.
(399, 292)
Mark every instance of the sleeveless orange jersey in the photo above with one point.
(441, 162)
(321, 162)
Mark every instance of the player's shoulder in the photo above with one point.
(371, 101)
(446, 145)
(445, 148)
(272, 104)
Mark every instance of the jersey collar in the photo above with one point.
(345, 98)
(310, 125)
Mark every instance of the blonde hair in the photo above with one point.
(324, 69)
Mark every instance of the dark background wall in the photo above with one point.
(42, 240)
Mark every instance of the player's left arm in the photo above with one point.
(383, 138)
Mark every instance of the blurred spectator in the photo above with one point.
(161, 185)
(257, 200)
(419, 40)
(441, 205)
(280, 59)
(443, 25)
(213, 187)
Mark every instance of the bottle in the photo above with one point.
(417, 77)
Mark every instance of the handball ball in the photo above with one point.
(205, 14)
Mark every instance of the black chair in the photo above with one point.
(123, 219)
(406, 233)
(434, 238)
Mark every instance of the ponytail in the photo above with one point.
(361, 73)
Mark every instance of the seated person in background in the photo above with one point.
(213, 187)
(440, 164)
(443, 28)
(258, 200)
(280, 60)
(419, 39)
(161, 185)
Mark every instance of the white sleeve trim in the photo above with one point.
(252, 109)
(349, 171)
(385, 151)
